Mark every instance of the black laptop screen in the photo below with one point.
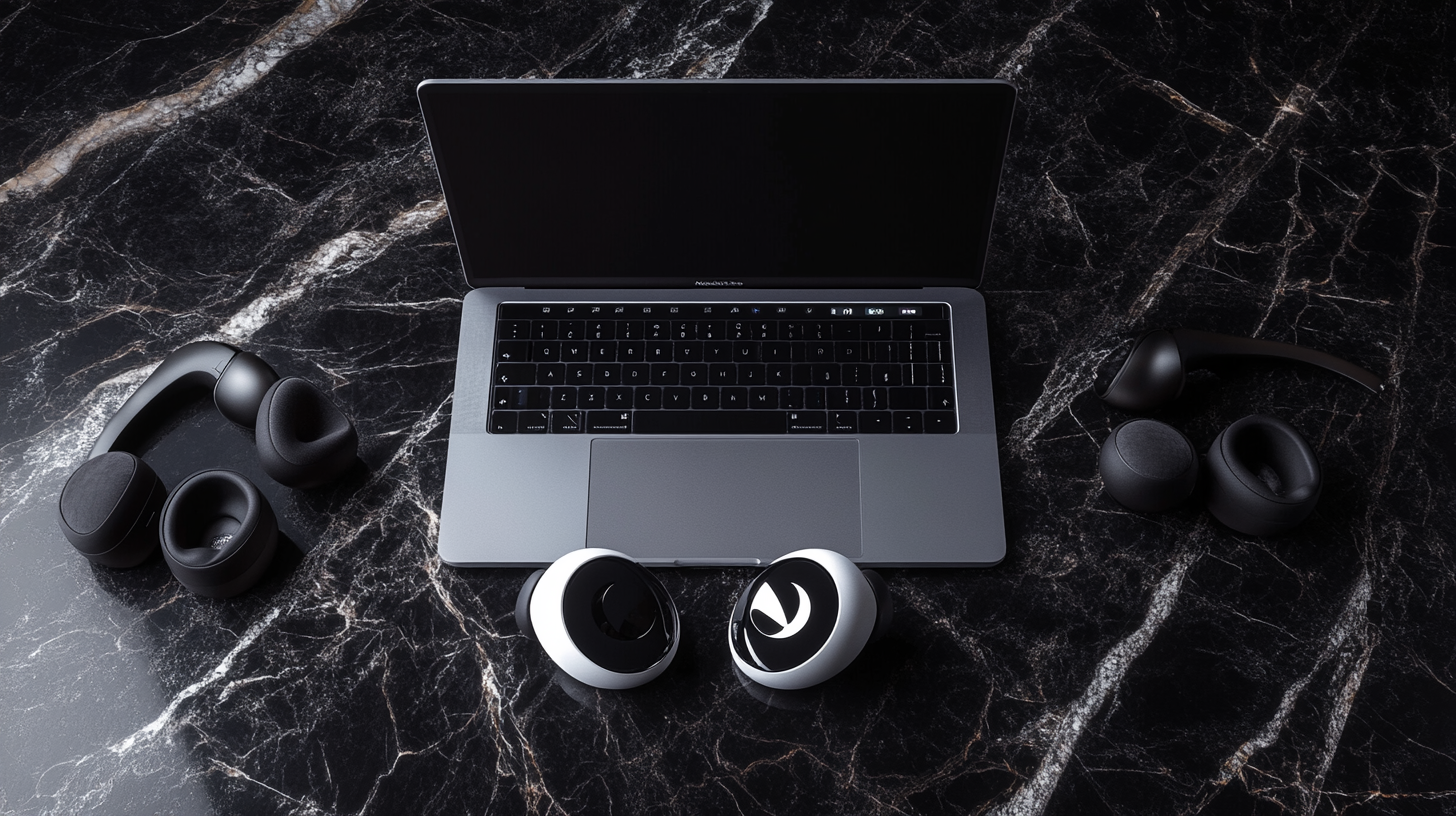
(714, 183)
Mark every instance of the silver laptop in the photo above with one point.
(712, 322)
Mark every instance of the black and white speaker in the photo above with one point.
(601, 617)
(805, 618)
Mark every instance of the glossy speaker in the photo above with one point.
(601, 617)
(805, 618)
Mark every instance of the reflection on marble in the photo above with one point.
(256, 172)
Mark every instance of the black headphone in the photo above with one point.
(216, 530)
(1262, 476)
(608, 622)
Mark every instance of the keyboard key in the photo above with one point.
(718, 352)
(533, 422)
(608, 422)
(941, 399)
(693, 374)
(705, 398)
(602, 352)
(574, 351)
(578, 373)
(513, 351)
(515, 374)
(565, 422)
(844, 399)
(876, 399)
(619, 397)
(763, 398)
(940, 422)
(907, 399)
(503, 422)
(733, 398)
(843, 422)
(722, 374)
(514, 330)
(550, 374)
(543, 329)
(677, 398)
(665, 374)
(607, 374)
(571, 330)
(908, 422)
(808, 422)
(791, 398)
(647, 398)
(636, 374)
(690, 352)
(874, 422)
(632, 351)
(563, 397)
(815, 399)
(886, 374)
(708, 422)
(592, 398)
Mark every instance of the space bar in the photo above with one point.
(708, 422)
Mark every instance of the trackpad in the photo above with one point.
(723, 500)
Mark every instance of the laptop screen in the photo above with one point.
(699, 183)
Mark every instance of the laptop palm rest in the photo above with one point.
(723, 501)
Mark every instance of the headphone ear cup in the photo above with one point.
(1263, 477)
(109, 509)
(1148, 466)
(218, 533)
(304, 440)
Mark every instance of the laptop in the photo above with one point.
(713, 322)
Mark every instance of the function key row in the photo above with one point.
(667, 351)
(720, 311)
(722, 422)
(777, 374)
(712, 398)
(519, 329)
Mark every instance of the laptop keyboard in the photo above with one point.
(714, 368)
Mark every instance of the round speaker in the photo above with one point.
(109, 509)
(1263, 477)
(601, 617)
(218, 533)
(805, 618)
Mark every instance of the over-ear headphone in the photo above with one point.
(1263, 477)
(805, 618)
(601, 617)
(216, 530)
(1150, 374)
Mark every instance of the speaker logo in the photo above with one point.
(772, 620)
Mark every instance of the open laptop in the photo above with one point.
(713, 322)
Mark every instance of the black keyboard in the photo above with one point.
(714, 368)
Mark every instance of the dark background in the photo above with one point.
(1271, 171)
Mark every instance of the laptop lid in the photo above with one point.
(723, 183)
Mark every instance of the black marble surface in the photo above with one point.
(256, 172)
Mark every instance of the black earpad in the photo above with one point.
(884, 605)
(523, 605)
(1263, 478)
(304, 440)
(218, 533)
(109, 509)
(1148, 466)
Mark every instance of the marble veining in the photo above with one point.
(256, 172)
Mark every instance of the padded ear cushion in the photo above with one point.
(304, 440)
(1263, 477)
(218, 533)
(109, 509)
